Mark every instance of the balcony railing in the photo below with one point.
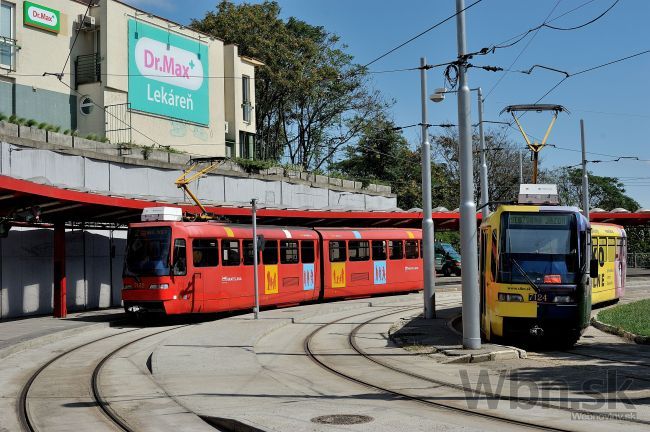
(8, 49)
(87, 69)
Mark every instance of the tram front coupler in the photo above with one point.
(536, 331)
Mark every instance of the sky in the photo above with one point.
(612, 101)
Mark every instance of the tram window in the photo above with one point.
(307, 252)
(230, 252)
(289, 251)
(412, 249)
(359, 250)
(337, 251)
(180, 258)
(205, 252)
(611, 249)
(247, 248)
(270, 252)
(395, 249)
(379, 250)
(602, 249)
(493, 256)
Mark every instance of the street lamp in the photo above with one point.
(439, 96)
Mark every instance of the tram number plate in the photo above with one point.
(538, 297)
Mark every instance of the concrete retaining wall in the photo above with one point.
(100, 167)
(94, 261)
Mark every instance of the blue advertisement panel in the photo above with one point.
(168, 74)
(380, 272)
(308, 277)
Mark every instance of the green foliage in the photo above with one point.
(311, 98)
(16, 120)
(43, 125)
(451, 237)
(53, 128)
(604, 192)
(67, 132)
(638, 239)
(31, 122)
(253, 165)
(3, 117)
(631, 317)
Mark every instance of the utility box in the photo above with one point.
(538, 194)
(162, 214)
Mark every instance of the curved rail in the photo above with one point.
(352, 341)
(23, 414)
(464, 411)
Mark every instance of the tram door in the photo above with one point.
(483, 281)
(197, 292)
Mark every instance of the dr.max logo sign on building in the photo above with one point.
(42, 17)
(167, 74)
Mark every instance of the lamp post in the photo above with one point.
(429, 264)
(256, 310)
(468, 231)
(438, 96)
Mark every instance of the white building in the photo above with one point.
(130, 77)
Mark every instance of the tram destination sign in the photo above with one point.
(539, 219)
(168, 74)
(42, 17)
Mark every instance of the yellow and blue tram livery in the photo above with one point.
(609, 247)
(535, 273)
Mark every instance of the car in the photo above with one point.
(448, 260)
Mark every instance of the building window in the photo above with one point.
(7, 35)
(246, 97)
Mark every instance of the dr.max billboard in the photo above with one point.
(168, 74)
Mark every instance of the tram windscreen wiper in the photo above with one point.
(523, 272)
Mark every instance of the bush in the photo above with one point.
(31, 122)
(53, 128)
(3, 117)
(254, 166)
(43, 125)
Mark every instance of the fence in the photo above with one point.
(638, 260)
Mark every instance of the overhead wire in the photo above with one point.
(392, 50)
(536, 31)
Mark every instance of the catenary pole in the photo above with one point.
(470, 293)
(521, 168)
(256, 310)
(427, 220)
(585, 175)
(485, 196)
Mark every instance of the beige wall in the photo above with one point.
(43, 51)
(46, 52)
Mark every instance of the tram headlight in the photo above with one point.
(506, 297)
(159, 286)
(562, 299)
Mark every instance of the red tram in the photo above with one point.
(196, 267)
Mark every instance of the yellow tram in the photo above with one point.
(609, 246)
(535, 270)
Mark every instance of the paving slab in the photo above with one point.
(27, 332)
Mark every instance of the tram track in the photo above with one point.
(423, 400)
(370, 357)
(27, 420)
(352, 336)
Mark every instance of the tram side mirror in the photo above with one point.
(593, 268)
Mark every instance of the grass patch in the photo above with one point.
(632, 317)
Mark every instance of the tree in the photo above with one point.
(311, 99)
(502, 160)
(382, 155)
(604, 192)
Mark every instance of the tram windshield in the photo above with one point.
(147, 251)
(539, 245)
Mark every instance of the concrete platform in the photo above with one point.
(22, 333)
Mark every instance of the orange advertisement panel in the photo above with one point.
(338, 275)
(271, 279)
